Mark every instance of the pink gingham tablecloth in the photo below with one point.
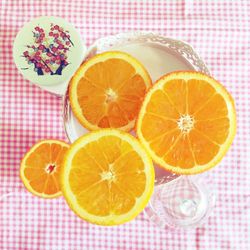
(220, 33)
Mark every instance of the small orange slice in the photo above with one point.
(187, 122)
(40, 168)
(107, 177)
(107, 91)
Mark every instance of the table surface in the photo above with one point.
(220, 33)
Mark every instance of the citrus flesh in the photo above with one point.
(40, 168)
(107, 177)
(107, 91)
(187, 122)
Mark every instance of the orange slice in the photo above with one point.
(107, 91)
(107, 177)
(187, 122)
(40, 168)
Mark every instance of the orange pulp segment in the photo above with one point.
(187, 122)
(40, 168)
(107, 177)
(107, 91)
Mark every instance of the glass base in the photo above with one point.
(185, 202)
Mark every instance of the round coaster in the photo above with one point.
(48, 51)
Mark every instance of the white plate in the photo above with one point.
(160, 55)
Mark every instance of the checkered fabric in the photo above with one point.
(219, 30)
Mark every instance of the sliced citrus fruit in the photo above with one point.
(107, 177)
(40, 168)
(107, 91)
(187, 122)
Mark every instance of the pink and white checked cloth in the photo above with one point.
(218, 30)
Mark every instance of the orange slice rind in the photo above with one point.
(187, 122)
(107, 177)
(40, 168)
(107, 91)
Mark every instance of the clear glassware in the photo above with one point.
(178, 201)
(183, 203)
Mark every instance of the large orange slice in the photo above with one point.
(187, 122)
(107, 91)
(40, 168)
(107, 177)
